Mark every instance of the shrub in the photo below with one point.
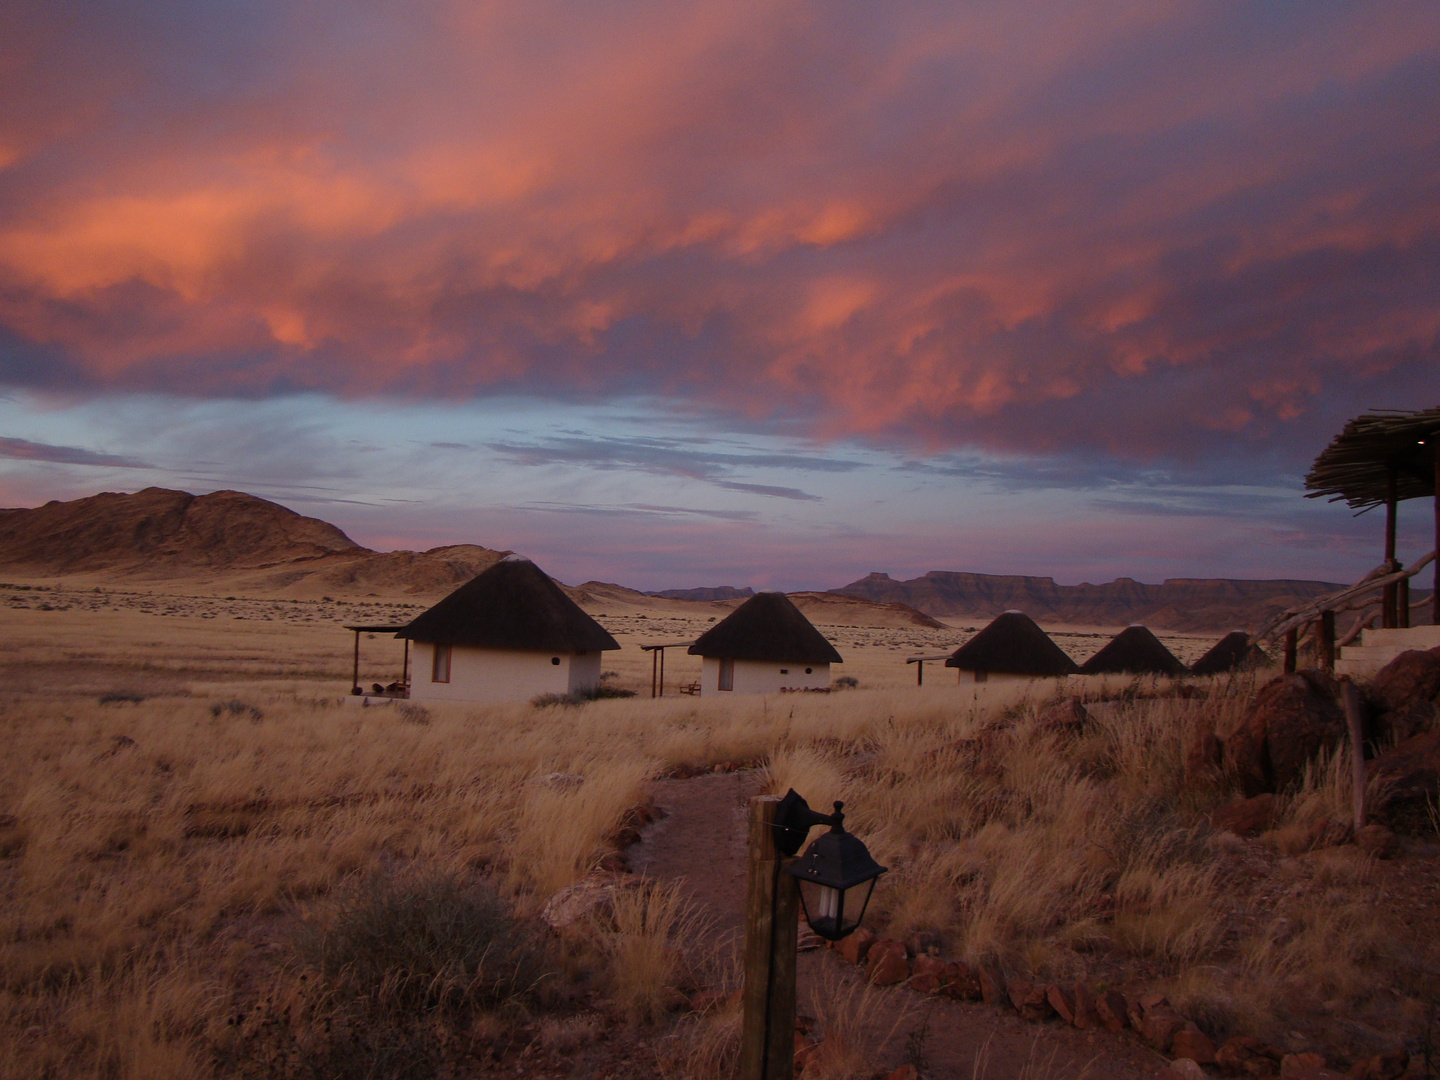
(427, 941)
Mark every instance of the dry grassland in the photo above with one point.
(203, 846)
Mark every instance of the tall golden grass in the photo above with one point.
(159, 856)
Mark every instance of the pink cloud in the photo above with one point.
(986, 223)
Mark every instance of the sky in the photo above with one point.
(768, 293)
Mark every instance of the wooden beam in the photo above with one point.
(1391, 615)
(1354, 721)
(1325, 640)
(767, 1037)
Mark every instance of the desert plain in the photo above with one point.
(214, 864)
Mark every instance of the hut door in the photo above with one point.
(727, 674)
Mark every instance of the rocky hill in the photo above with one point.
(1179, 604)
(226, 539)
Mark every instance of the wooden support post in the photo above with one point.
(1355, 721)
(654, 661)
(1402, 603)
(1325, 640)
(1391, 617)
(767, 1039)
(919, 672)
(1435, 596)
(662, 671)
(405, 668)
(355, 671)
(1292, 646)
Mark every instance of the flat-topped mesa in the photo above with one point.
(1178, 604)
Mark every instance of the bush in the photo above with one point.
(581, 696)
(236, 708)
(427, 941)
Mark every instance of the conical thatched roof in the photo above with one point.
(1012, 645)
(1133, 651)
(512, 605)
(1231, 652)
(767, 627)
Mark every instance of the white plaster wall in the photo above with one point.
(489, 676)
(763, 677)
(584, 670)
(999, 678)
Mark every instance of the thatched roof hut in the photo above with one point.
(512, 605)
(1133, 651)
(767, 627)
(1013, 645)
(1230, 653)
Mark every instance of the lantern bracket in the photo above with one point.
(794, 820)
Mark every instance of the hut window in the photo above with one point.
(784, 671)
(555, 660)
(440, 666)
(809, 671)
(981, 675)
(727, 674)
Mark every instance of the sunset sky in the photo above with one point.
(730, 292)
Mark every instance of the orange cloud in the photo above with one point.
(944, 224)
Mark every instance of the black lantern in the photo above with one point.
(836, 874)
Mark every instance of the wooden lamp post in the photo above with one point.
(835, 876)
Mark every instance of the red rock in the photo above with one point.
(1413, 676)
(1377, 840)
(1237, 1053)
(1407, 780)
(1390, 1065)
(904, 1072)
(1190, 1042)
(1085, 1016)
(887, 963)
(1062, 1001)
(1291, 1065)
(931, 973)
(1159, 1026)
(922, 943)
(1291, 719)
(965, 985)
(993, 988)
(1029, 999)
(1248, 817)
(856, 947)
(1111, 1010)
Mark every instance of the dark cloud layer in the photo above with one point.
(1153, 232)
(24, 450)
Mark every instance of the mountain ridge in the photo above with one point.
(234, 541)
(1176, 604)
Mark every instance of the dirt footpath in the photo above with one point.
(701, 841)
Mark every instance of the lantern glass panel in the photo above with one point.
(834, 913)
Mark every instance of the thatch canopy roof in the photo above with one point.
(1013, 645)
(767, 627)
(1230, 653)
(511, 605)
(1133, 651)
(1356, 466)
